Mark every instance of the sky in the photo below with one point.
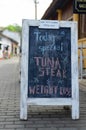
(13, 11)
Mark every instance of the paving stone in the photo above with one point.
(47, 128)
(14, 126)
(82, 128)
(27, 129)
(1, 126)
(68, 128)
(7, 129)
(39, 118)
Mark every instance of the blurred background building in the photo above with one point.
(64, 10)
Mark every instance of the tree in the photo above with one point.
(14, 28)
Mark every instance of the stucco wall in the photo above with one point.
(5, 42)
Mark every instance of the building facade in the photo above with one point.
(8, 47)
(63, 10)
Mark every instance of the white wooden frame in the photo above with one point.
(74, 100)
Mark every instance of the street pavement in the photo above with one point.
(39, 118)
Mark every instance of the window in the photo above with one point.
(6, 48)
(0, 38)
(0, 46)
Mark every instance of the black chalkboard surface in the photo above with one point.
(49, 68)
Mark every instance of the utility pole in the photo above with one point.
(36, 2)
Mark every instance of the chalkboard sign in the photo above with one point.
(79, 6)
(49, 62)
(49, 65)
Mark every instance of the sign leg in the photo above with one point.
(23, 110)
(75, 109)
(23, 102)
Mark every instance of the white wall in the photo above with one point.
(5, 42)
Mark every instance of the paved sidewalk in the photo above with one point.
(39, 118)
